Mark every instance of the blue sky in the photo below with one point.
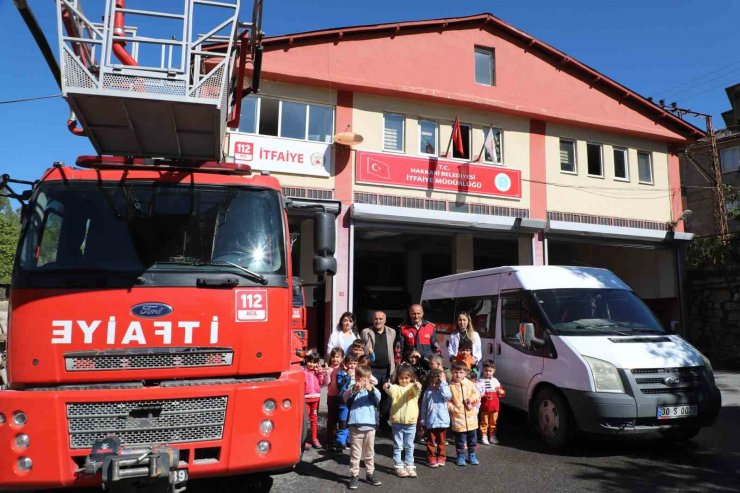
(680, 50)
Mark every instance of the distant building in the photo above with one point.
(697, 175)
(557, 163)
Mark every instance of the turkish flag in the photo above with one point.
(378, 168)
(457, 136)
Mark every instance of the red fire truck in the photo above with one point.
(149, 334)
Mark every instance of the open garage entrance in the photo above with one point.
(648, 268)
(392, 262)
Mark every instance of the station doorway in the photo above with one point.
(648, 268)
(391, 264)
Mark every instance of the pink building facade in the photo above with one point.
(559, 164)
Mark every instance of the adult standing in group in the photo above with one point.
(464, 331)
(379, 340)
(418, 334)
(344, 335)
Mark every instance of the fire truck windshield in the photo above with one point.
(140, 227)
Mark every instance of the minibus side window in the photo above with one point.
(441, 314)
(516, 308)
(482, 310)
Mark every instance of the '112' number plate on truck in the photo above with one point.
(672, 412)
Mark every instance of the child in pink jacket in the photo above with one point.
(315, 379)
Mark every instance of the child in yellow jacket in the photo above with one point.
(404, 394)
(464, 413)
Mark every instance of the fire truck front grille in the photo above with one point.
(147, 422)
(187, 357)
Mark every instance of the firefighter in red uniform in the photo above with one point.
(418, 333)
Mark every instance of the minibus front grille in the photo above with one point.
(147, 422)
(662, 381)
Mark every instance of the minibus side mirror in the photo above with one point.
(526, 335)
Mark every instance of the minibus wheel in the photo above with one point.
(552, 418)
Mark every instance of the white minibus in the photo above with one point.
(576, 349)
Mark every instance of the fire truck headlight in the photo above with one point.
(22, 441)
(287, 404)
(20, 419)
(266, 426)
(262, 447)
(25, 463)
(269, 406)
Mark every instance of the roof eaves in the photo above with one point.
(619, 91)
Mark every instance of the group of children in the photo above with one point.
(425, 398)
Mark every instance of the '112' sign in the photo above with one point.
(251, 305)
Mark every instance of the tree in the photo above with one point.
(9, 232)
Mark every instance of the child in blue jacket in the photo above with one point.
(435, 418)
(345, 379)
(362, 399)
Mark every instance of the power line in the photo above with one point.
(667, 91)
(9, 101)
(691, 90)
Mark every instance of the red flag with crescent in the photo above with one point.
(378, 168)
(457, 136)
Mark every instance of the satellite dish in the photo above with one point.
(347, 138)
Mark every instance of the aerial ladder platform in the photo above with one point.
(162, 80)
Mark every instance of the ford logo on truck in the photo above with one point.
(151, 310)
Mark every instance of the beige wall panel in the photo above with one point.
(300, 93)
(606, 196)
(368, 122)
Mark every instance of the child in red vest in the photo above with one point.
(490, 390)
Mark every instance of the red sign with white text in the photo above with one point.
(434, 174)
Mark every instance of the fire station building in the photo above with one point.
(552, 162)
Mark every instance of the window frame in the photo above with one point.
(523, 298)
(491, 52)
(307, 104)
(488, 332)
(650, 162)
(625, 152)
(736, 169)
(500, 145)
(470, 143)
(403, 133)
(436, 137)
(575, 156)
(601, 160)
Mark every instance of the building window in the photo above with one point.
(594, 158)
(567, 156)
(393, 132)
(730, 159)
(465, 132)
(644, 167)
(428, 137)
(248, 118)
(289, 119)
(621, 166)
(492, 139)
(484, 66)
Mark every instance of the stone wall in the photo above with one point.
(713, 307)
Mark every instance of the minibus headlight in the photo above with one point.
(606, 376)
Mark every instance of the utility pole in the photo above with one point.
(721, 228)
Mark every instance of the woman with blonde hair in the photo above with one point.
(464, 330)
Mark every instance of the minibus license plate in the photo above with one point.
(672, 412)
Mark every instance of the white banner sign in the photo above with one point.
(281, 155)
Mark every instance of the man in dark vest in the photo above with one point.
(379, 340)
(417, 333)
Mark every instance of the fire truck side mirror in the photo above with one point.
(324, 233)
(324, 266)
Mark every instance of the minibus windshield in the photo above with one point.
(596, 312)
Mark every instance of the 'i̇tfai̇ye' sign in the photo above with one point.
(434, 174)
